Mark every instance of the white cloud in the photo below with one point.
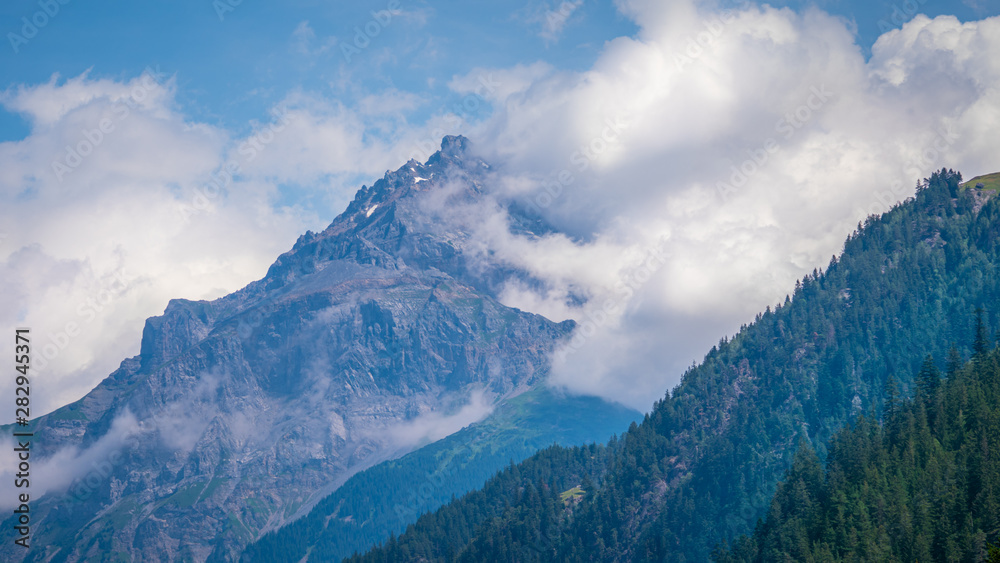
(57, 471)
(645, 138)
(500, 84)
(554, 19)
(302, 37)
(303, 41)
(47, 103)
(178, 425)
(431, 426)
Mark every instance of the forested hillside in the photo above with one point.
(923, 485)
(383, 500)
(703, 465)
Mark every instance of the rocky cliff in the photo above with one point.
(362, 342)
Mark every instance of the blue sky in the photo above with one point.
(230, 70)
(741, 141)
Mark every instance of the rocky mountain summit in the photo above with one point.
(366, 340)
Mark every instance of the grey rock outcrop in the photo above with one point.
(239, 412)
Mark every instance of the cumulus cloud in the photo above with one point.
(741, 145)
(45, 104)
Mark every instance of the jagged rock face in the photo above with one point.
(241, 411)
(420, 215)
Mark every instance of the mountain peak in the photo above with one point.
(244, 408)
(399, 183)
(454, 145)
(388, 226)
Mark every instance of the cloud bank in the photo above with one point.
(742, 146)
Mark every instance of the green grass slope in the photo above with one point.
(990, 182)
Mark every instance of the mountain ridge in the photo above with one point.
(238, 411)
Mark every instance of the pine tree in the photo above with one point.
(892, 398)
(928, 379)
(954, 361)
(893, 495)
(981, 344)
